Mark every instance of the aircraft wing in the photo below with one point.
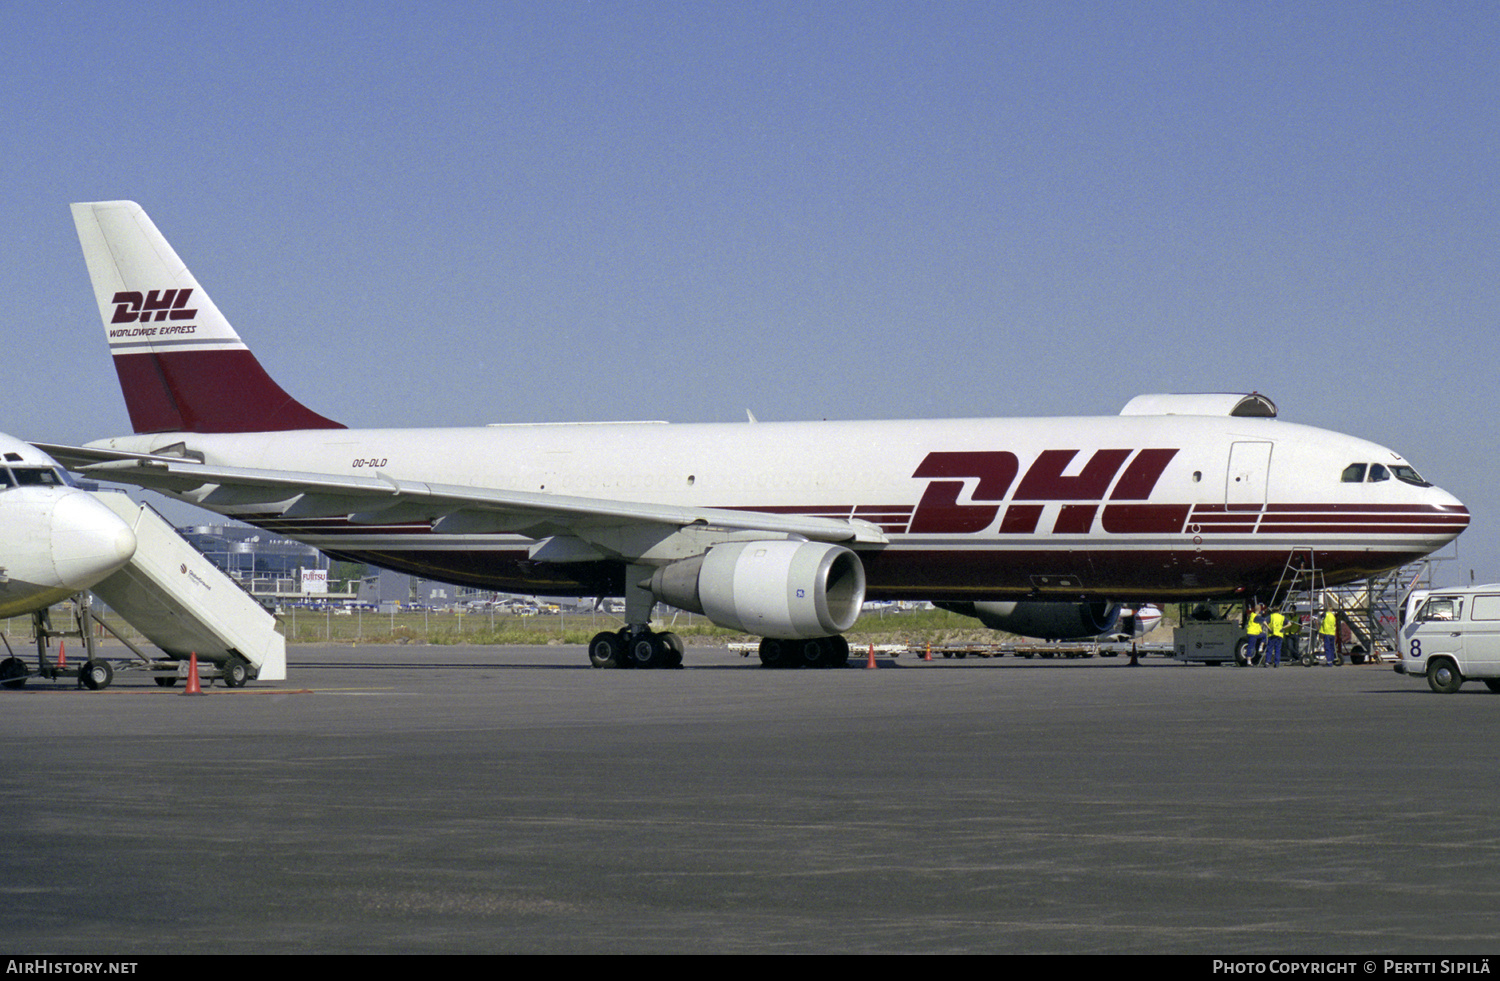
(381, 499)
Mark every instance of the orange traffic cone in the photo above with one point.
(1134, 662)
(62, 653)
(870, 664)
(192, 682)
(928, 656)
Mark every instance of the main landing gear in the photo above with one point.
(636, 648)
(636, 645)
(814, 652)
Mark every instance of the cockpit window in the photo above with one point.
(1358, 473)
(37, 477)
(1409, 476)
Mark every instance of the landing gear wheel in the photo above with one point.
(774, 653)
(1443, 677)
(645, 650)
(96, 675)
(235, 673)
(606, 650)
(13, 672)
(675, 649)
(820, 652)
(811, 653)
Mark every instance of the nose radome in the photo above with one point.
(89, 541)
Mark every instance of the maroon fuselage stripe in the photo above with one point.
(1123, 575)
(1073, 518)
(1206, 565)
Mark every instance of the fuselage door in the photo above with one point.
(1249, 469)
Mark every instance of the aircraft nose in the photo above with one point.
(1453, 516)
(89, 541)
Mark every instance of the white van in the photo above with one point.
(1451, 636)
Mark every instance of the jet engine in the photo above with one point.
(789, 590)
(1042, 619)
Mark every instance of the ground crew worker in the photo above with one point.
(1273, 645)
(1329, 631)
(1256, 629)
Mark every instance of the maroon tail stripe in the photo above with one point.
(208, 392)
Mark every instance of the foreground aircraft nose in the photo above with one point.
(89, 541)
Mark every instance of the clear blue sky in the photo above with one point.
(454, 213)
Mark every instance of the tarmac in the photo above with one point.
(513, 800)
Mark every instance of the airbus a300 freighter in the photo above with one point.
(781, 530)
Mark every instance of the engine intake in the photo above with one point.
(783, 589)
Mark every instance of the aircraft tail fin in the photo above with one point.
(182, 367)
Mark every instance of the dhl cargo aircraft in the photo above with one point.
(781, 530)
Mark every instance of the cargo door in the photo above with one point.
(1249, 472)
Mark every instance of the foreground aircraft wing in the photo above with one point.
(383, 500)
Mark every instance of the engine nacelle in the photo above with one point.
(784, 589)
(1043, 619)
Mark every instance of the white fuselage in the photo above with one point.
(1125, 507)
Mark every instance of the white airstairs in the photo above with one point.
(183, 604)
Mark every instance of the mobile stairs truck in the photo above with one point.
(179, 601)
